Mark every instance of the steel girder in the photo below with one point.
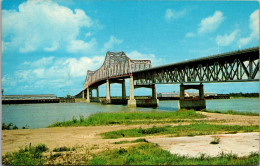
(237, 66)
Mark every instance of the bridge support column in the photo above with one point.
(96, 98)
(108, 99)
(123, 90)
(131, 102)
(97, 93)
(195, 103)
(150, 102)
(83, 95)
(154, 94)
(88, 96)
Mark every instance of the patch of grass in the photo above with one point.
(54, 156)
(152, 154)
(231, 112)
(180, 130)
(134, 141)
(29, 155)
(63, 149)
(216, 140)
(131, 118)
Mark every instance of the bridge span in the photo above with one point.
(235, 66)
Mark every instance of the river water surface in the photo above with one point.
(42, 115)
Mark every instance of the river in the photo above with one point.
(42, 115)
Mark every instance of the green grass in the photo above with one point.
(232, 112)
(134, 141)
(63, 149)
(151, 154)
(131, 118)
(180, 130)
(26, 156)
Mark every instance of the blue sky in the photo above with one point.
(48, 46)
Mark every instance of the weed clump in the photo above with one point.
(63, 148)
(29, 155)
(134, 141)
(216, 140)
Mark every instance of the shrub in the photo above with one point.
(74, 120)
(81, 118)
(9, 126)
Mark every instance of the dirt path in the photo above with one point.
(89, 136)
(61, 136)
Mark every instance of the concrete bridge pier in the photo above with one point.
(196, 103)
(88, 96)
(83, 94)
(150, 102)
(123, 90)
(94, 99)
(108, 98)
(131, 102)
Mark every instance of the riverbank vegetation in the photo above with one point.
(12, 126)
(181, 130)
(232, 112)
(149, 117)
(29, 155)
(131, 118)
(238, 95)
(143, 153)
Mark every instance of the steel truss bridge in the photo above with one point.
(235, 66)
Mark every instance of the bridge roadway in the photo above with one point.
(235, 66)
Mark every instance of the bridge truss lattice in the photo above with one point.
(236, 66)
(116, 64)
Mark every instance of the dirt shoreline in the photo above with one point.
(89, 137)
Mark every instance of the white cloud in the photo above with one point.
(52, 73)
(80, 45)
(190, 34)
(42, 25)
(227, 39)
(211, 23)
(43, 62)
(111, 43)
(173, 14)
(39, 72)
(137, 55)
(88, 34)
(79, 67)
(53, 47)
(254, 27)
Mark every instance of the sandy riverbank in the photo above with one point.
(89, 137)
